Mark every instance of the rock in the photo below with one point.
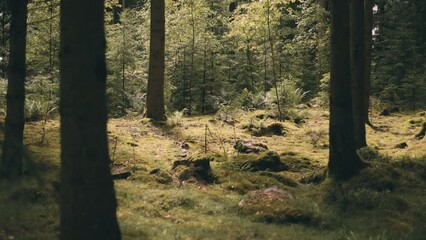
(401, 145)
(302, 106)
(154, 171)
(268, 194)
(122, 175)
(389, 110)
(245, 146)
(422, 132)
(273, 129)
(226, 119)
(298, 120)
(196, 170)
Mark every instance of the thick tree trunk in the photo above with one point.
(368, 38)
(357, 47)
(343, 159)
(88, 204)
(155, 95)
(13, 150)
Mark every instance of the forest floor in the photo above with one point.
(276, 194)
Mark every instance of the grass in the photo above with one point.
(386, 201)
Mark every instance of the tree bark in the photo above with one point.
(368, 38)
(357, 47)
(343, 159)
(155, 95)
(13, 149)
(88, 204)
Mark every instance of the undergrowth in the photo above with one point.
(385, 201)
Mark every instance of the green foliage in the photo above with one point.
(399, 69)
(175, 119)
(42, 98)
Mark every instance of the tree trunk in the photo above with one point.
(357, 47)
(343, 159)
(368, 38)
(13, 149)
(155, 95)
(274, 72)
(88, 204)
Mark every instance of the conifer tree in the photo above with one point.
(13, 148)
(87, 204)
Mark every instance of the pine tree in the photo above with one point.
(13, 148)
(343, 159)
(357, 48)
(88, 204)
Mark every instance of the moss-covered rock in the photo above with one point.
(197, 170)
(161, 176)
(270, 161)
(243, 146)
(273, 129)
(275, 205)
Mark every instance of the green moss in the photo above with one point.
(269, 161)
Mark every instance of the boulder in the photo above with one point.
(246, 146)
(194, 170)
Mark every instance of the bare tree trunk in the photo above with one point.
(13, 149)
(343, 159)
(155, 96)
(357, 47)
(123, 62)
(203, 87)
(368, 38)
(192, 79)
(88, 204)
(274, 72)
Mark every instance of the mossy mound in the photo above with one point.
(372, 188)
(275, 205)
(161, 176)
(280, 178)
(415, 166)
(296, 163)
(270, 130)
(270, 161)
(315, 177)
(194, 170)
(243, 146)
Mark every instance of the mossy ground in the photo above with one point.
(386, 201)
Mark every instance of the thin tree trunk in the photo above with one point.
(51, 40)
(88, 204)
(123, 62)
(357, 47)
(204, 86)
(265, 68)
(274, 72)
(368, 38)
(13, 149)
(343, 159)
(192, 79)
(155, 96)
